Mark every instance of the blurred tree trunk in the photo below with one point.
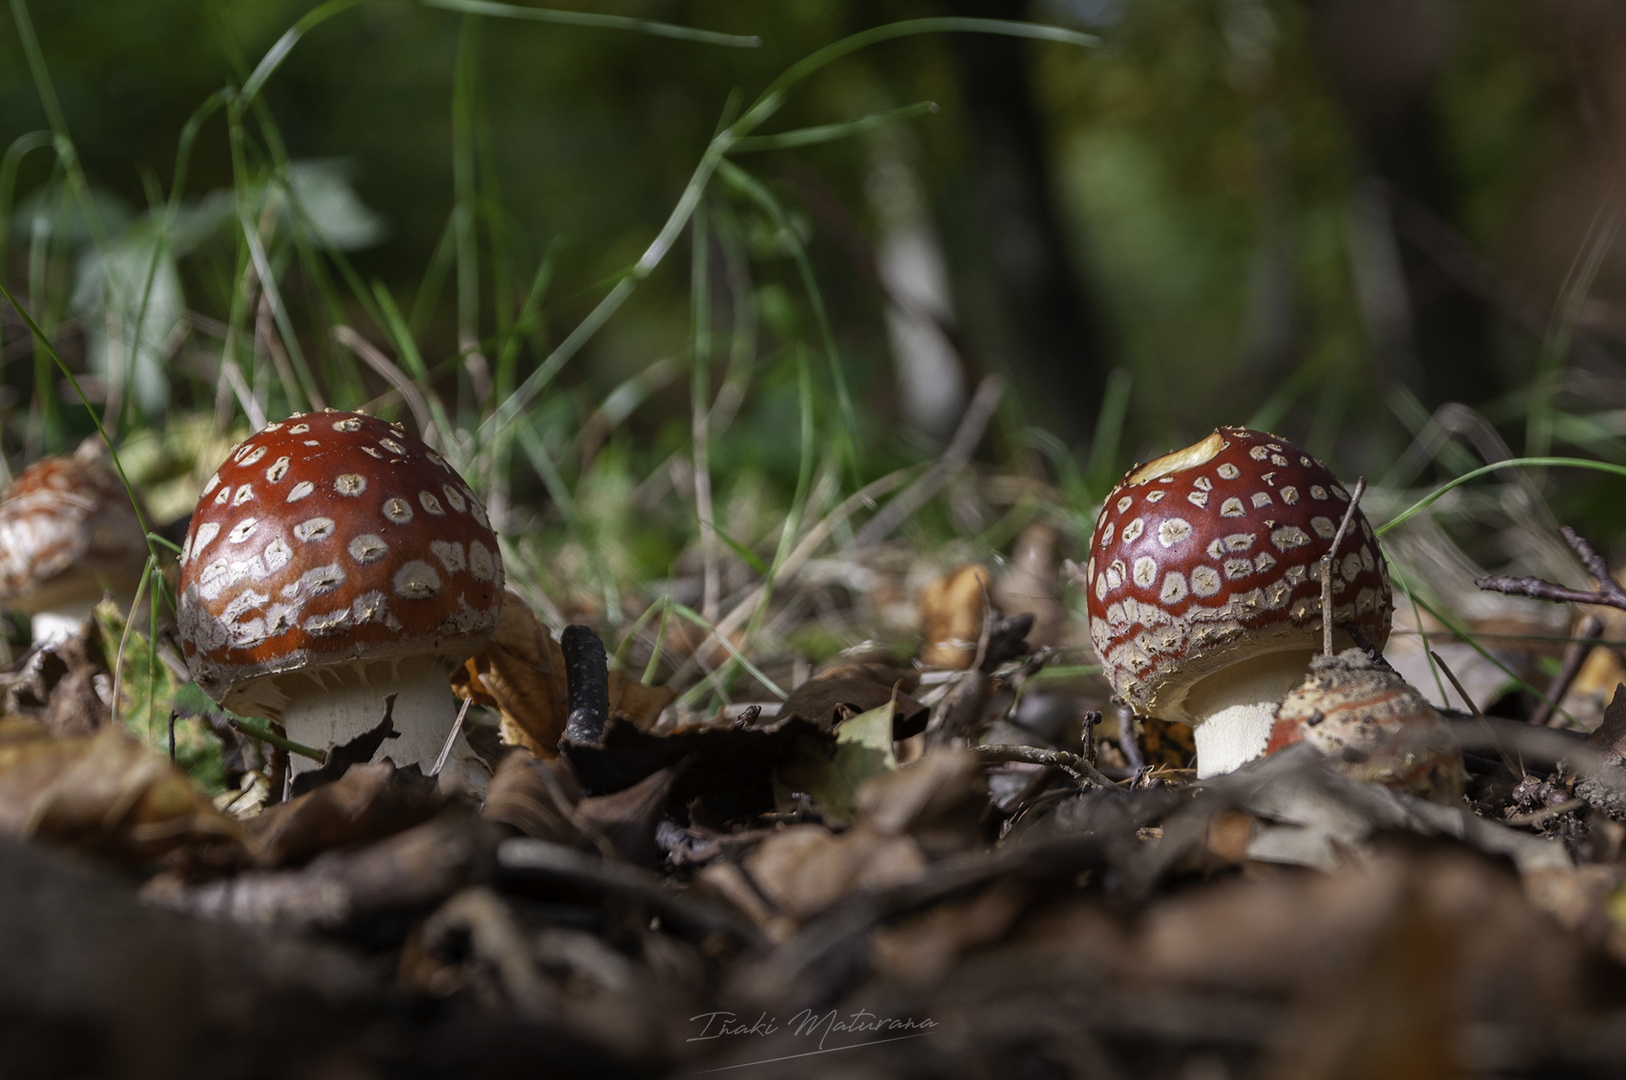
(1053, 333)
(1383, 59)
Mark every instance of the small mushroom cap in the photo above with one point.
(67, 528)
(1373, 725)
(328, 540)
(1208, 556)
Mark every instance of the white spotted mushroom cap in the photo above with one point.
(68, 527)
(332, 539)
(1371, 725)
(1208, 555)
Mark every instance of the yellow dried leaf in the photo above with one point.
(521, 674)
(951, 610)
(638, 701)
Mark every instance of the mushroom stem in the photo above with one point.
(61, 621)
(1233, 709)
(333, 709)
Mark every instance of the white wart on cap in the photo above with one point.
(334, 559)
(68, 534)
(1202, 588)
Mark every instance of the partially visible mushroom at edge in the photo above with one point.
(333, 560)
(69, 534)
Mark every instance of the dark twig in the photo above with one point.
(1126, 738)
(1327, 561)
(1575, 655)
(1036, 755)
(1515, 769)
(1367, 647)
(1609, 591)
(1452, 677)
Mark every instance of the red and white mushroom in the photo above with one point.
(69, 535)
(1203, 594)
(1370, 724)
(335, 559)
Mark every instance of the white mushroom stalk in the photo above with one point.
(334, 560)
(1203, 596)
(69, 535)
(330, 706)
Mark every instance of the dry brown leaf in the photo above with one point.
(521, 674)
(106, 794)
(538, 797)
(66, 686)
(369, 802)
(638, 702)
(951, 610)
(807, 869)
(846, 687)
(920, 951)
(939, 800)
(626, 820)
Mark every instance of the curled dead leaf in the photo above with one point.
(107, 794)
(369, 802)
(848, 686)
(521, 674)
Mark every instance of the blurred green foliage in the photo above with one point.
(461, 192)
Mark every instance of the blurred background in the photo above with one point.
(1385, 229)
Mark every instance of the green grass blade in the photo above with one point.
(20, 148)
(774, 96)
(1103, 464)
(722, 639)
(603, 22)
(285, 44)
(1511, 463)
(752, 559)
(823, 133)
(748, 185)
(652, 668)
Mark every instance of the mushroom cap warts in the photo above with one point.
(1207, 558)
(331, 540)
(1371, 725)
(67, 527)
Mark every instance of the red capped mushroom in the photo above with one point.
(69, 534)
(335, 559)
(1203, 592)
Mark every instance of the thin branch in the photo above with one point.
(451, 737)
(1609, 591)
(1327, 561)
(1071, 764)
(1575, 655)
(1501, 752)
(1456, 683)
